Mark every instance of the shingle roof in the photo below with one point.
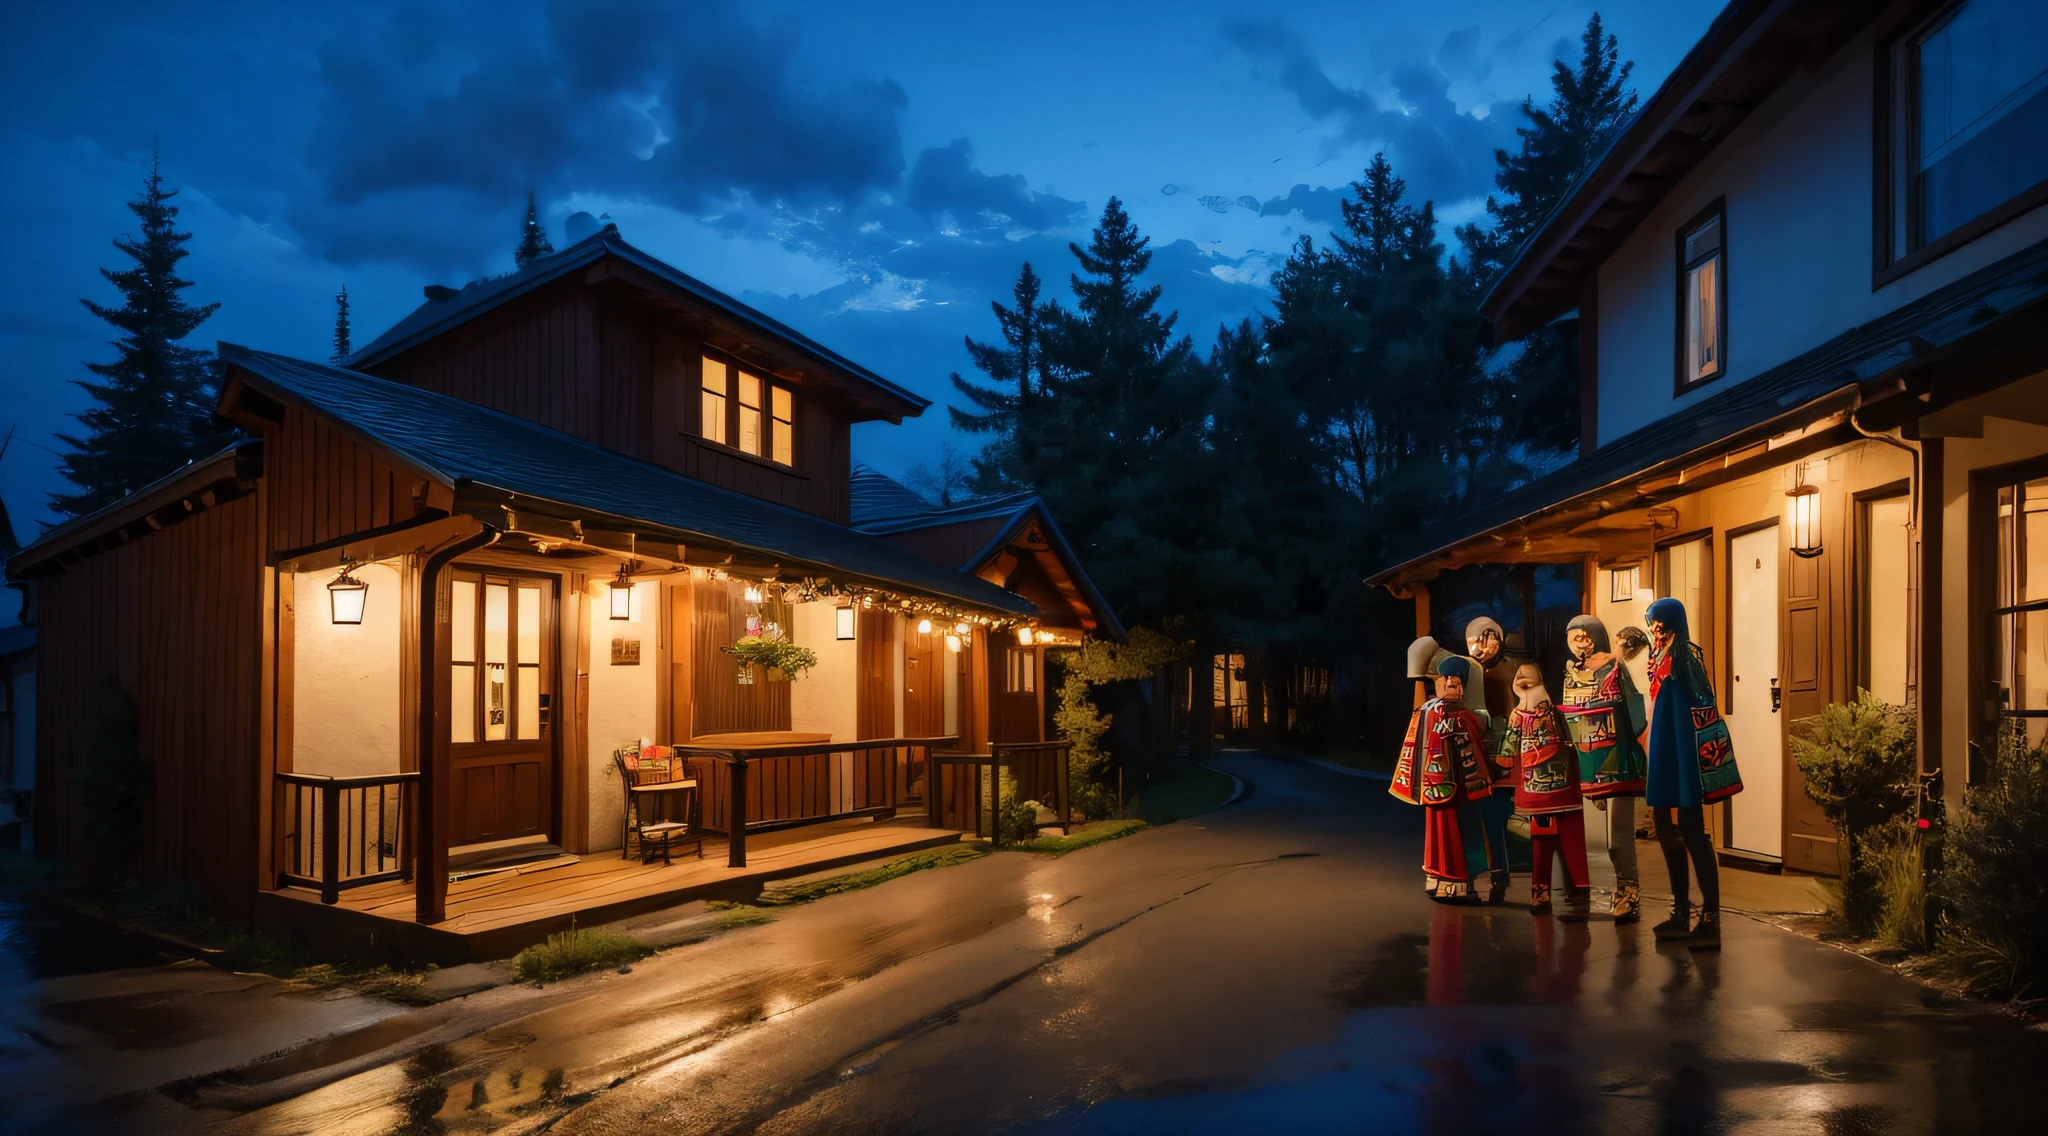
(437, 316)
(469, 445)
(1905, 337)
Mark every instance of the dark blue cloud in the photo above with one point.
(1321, 204)
(1442, 154)
(944, 182)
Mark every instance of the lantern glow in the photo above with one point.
(924, 627)
(953, 643)
(346, 596)
(844, 616)
(1023, 636)
(622, 595)
(1806, 538)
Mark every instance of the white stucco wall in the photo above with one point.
(826, 700)
(1796, 176)
(345, 696)
(622, 699)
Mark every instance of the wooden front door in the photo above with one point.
(501, 705)
(1016, 707)
(924, 703)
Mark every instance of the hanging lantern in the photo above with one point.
(753, 594)
(1023, 636)
(622, 594)
(961, 628)
(1805, 517)
(953, 643)
(924, 627)
(345, 595)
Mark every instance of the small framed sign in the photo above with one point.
(625, 652)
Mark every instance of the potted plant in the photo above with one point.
(775, 654)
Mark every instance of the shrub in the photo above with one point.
(1858, 762)
(1995, 936)
(573, 952)
(1893, 863)
(1018, 820)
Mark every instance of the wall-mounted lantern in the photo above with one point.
(844, 616)
(1023, 635)
(622, 594)
(753, 594)
(953, 643)
(1806, 540)
(924, 627)
(346, 595)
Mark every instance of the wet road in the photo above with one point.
(1271, 966)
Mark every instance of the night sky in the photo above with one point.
(871, 173)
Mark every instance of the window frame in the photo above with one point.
(546, 673)
(771, 427)
(1895, 93)
(1984, 552)
(1682, 380)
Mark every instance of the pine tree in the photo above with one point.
(1020, 360)
(155, 405)
(533, 239)
(341, 347)
(1588, 105)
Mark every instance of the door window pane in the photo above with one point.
(462, 655)
(497, 680)
(1885, 603)
(716, 386)
(750, 413)
(527, 677)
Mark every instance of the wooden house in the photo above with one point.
(384, 652)
(1806, 282)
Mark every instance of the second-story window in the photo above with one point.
(747, 412)
(716, 391)
(1702, 300)
(1968, 101)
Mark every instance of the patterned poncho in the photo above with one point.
(1692, 759)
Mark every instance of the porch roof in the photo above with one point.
(491, 459)
(1860, 365)
(882, 506)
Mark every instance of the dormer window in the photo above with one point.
(751, 414)
(1702, 299)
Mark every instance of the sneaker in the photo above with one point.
(1706, 935)
(1628, 903)
(1539, 899)
(1677, 927)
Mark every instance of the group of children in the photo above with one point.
(1487, 742)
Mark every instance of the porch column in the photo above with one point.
(430, 805)
(1927, 630)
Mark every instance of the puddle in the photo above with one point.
(48, 940)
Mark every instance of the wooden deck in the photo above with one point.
(496, 915)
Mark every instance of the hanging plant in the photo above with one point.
(775, 654)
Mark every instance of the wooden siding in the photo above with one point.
(875, 675)
(324, 487)
(951, 545)
(720, 703)
(619, 375)
(176, 619)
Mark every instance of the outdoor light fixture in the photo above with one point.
(1805, 517)
(845, 617)
(1023, 636)
(961, 628)
(924, 627)
(345, 595)
(1044, 637)
(953, 643)
(622, 594)
(753, 594)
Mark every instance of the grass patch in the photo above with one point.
(1097, 832)
(1182, 790)
(569, 953)
(735, 914)
(784, 895)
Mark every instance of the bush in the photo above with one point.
(1018, 820)
(1995, 935)
(1859, 765)
(573, 952)
(1893, 863)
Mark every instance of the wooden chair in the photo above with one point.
(662, 802)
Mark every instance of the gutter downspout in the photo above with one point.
(1924, 533)
(430, 815)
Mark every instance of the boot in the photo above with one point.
(1539, 899)
(1499, 892)
(1578, 905)
(1677, 927)
(1628, 903)
(1706, 935)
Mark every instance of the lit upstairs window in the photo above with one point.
(717, 388)
(1702, 301)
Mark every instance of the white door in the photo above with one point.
(1759, 824)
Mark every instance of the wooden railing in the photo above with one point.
(961, 782)
(343, 832)
(772, 787)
